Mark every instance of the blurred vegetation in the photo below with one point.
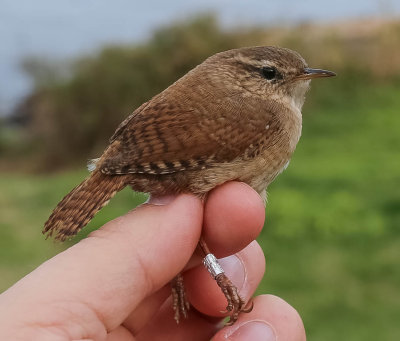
(331, 238)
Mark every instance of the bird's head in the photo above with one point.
(269, 72)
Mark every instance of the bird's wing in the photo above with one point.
(163, 137)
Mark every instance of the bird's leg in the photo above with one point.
(179, 301)
(236, 304)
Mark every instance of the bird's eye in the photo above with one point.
(269, 72)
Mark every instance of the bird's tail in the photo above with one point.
(80, 205)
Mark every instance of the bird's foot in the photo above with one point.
(236, 304)
(180, 303)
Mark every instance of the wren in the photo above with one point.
(236, 116)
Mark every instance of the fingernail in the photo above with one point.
(253, 330)
(235, 270)
(160, 200)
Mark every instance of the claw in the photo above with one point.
(236, 304)
(249, 309)
(180, 303)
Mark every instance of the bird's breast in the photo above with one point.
(275, 151)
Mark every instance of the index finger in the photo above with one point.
(103, 277)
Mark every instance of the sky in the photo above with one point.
(63, 29)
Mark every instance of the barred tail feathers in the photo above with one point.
(80, 205)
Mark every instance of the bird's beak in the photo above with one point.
(315, 73)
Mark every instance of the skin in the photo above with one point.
(113, 285)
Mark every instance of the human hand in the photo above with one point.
(113, 285)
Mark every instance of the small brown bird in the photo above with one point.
(236, 116)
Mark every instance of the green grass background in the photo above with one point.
(331, 237)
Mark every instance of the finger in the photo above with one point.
(199, 326)
(245, 269)
(234, 215)
(119, 334)
(147, 309)
(163, 326)
(106, 275)
(229, 233)
(243, 221)
(271, 319)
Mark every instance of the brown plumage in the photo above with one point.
(236, 116)
(80, 205)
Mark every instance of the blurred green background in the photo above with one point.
(331, 239)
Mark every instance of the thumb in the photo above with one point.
(118, 265)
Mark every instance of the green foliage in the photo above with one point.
(331, 238)
(347, 153)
